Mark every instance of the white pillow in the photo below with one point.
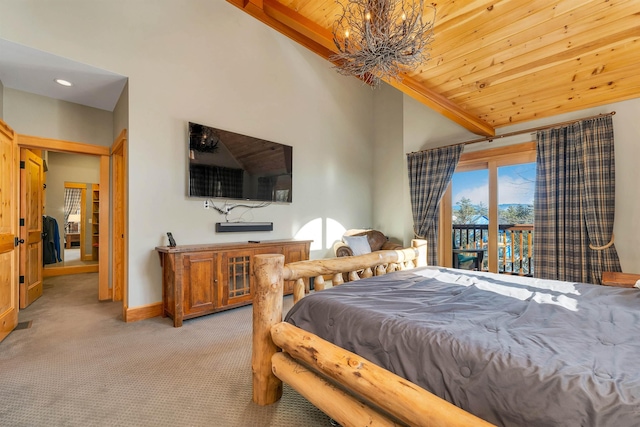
(358, 244)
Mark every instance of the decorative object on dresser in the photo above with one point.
(207, 278)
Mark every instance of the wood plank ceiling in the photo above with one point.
(497, 63)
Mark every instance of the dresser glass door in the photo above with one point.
(239, 275)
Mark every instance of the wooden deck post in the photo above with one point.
(267, 311)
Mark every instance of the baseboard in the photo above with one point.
(143, 312)
(74, 269)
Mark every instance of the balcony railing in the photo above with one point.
(515, 245)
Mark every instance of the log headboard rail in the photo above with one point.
(304, 269)
(345, 386)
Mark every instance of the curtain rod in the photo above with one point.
(491, 138)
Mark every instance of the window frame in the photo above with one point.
(490, 159)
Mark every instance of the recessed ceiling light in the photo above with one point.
(63, 82)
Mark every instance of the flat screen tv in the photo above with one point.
(229, 165)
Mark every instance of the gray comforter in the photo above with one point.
(513, 351)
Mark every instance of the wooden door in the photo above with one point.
(119, 159)
(8, 230)
(31, 196)
(200, 282)
(236, 277)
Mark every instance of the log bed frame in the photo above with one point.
(345, 386)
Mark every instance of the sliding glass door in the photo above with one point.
(487, 212)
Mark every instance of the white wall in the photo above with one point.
(424, 129)
(389, 164)
(38, 115)
(208, 62)
(1, 100)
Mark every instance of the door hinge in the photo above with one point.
(21, 222)
(21, 279)
(17, 241)
(22, 165)
(44, 186)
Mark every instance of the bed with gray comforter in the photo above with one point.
(514, 351)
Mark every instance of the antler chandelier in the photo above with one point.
(379, 39)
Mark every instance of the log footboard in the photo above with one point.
(345, 386)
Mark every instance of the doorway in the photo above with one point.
(101, 217)
(77, 232)
(69, 193)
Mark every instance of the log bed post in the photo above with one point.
(421, 246)
(267, 311)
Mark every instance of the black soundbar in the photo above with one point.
(228, 227)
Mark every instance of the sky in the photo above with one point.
(515, 185)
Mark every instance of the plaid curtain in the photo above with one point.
(574, 202)
(430, 173)
(72, 197)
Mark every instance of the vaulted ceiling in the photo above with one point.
(497, 63)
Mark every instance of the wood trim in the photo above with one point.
(72, 269)
(119, 227)
(104, 291)
(7, 130)
(299, 23)
(294, 35)
(118, 143)
(27, 141)
(320, 41)
(83, 225)
(492, 251)
(492, 153)
(442, 105)
(78, 185)
(483, 159)
(445, 245)
(142, 312)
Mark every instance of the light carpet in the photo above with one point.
(79, 364)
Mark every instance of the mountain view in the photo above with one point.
(515, 195)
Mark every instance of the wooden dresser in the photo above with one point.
(207, 278)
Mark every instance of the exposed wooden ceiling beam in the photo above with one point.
(320, 40)
(256, 9)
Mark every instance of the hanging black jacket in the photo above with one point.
(50, 241)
